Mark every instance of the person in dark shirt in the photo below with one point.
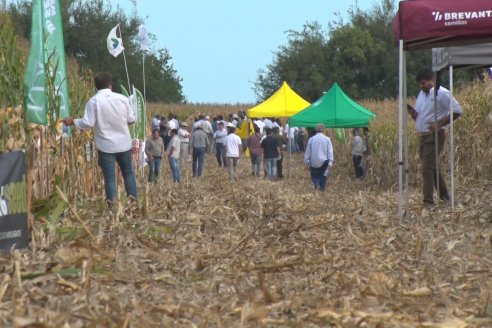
(271, 152)
(282, 143)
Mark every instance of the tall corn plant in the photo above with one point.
(12, 130)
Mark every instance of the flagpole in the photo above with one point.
(145, 109)
(126, 69)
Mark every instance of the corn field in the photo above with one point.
(253, 253)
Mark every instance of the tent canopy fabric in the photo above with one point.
(283, 103)
(431, 23)
(335, 110)
(476, 55)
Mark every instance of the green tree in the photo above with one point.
(361, 55)
(86, 26)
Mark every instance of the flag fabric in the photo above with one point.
(143, 38)
(46, 48)
(124, 92)
(35, 75)
(340, 135)
(56, 53)
(140, 104)
(115, 43)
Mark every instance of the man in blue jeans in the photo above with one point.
(197, 147)
(319, 157)
(109, 114)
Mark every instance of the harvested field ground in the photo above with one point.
(254, 253)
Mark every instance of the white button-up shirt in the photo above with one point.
(109, 113)
(319, 149)
(425, 108)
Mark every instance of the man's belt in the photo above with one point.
(429, 133)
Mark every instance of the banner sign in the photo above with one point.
(35, 76)
(140, 114)
(46, 47)
(55, 47)
(13, 201)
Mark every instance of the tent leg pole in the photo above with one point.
(402, 104)
(451, 138)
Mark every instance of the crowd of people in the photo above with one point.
(110, 113)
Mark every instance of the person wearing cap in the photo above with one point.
(220, 137)
(207, 128)
(197, 148)
(154, 149)
(233, 149)
(184, 138)
(173, 151)
(319, 157)
(109, 114)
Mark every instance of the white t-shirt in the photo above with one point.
(232, 143)
(176, 144)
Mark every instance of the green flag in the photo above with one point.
(340, 135)
(46, 45)
(34, 77)
(140, 114)
(53, 31)
(124, 92)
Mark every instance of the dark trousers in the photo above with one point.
(428, 159)
(279, 167)
(318, 176)
(220, 154)
(359, 172)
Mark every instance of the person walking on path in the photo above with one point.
(271, 151)
(154, 149)
(319, 157)
(174, 150)
(233, 149)
(197, 147)
(282, 142)
(184, 137)
(254, 145)
(358, 149)
(109, 114)
(220, 137)
(426, 124)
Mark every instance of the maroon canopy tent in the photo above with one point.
(421, 24)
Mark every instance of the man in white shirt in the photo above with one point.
(234, 149)
(174, 150)
(184, 138)
(109, 114)
(319, 157)
(220, 138)
(426, 125)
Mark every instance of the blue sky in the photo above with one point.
(218, 46)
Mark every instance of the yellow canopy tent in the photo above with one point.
(283, 103)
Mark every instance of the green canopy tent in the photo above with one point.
(335, 110)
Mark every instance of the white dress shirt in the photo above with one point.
(109, 113)
(318, 150)
(425, 108)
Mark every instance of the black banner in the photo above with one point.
(13, 201)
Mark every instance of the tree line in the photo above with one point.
(361, 54)
(86, 24)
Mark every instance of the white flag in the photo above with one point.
(115, 44)
(143, 38)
